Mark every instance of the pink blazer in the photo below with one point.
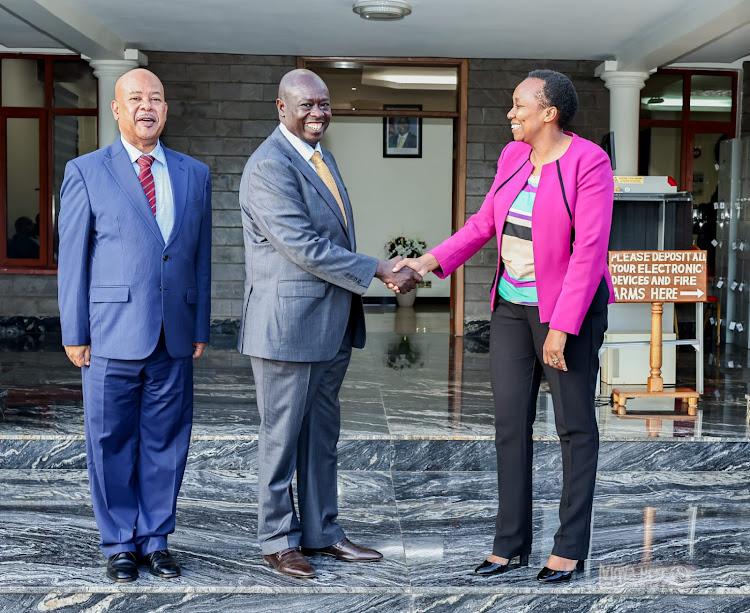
(566, 282)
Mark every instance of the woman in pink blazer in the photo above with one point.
(550, 210)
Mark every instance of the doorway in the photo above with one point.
(399, 117)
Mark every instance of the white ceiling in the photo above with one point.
(14, 33)
(728, 48)
(574, 29)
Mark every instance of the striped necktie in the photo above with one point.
(325, 175)
(147, 180)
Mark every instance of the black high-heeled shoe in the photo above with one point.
(549, 575)
(487, 568)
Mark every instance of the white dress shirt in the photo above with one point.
(162, 182)
(303, 148)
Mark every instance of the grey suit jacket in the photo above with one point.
(303, 277)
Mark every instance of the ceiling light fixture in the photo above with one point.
(696, 103)
(408, 77)
(427, 79)
(382, 10)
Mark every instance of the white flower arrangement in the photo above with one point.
(405, 247)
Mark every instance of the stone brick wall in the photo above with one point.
(221, 107)
(32, 295)
(491, 84)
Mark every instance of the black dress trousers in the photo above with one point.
(516, 341)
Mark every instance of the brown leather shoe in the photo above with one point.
(291, 562)
(347, 551)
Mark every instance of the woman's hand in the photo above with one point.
(422, 265)
(554, 347)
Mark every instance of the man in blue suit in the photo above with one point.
(134, 277)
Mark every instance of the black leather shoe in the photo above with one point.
(122, 567)
(161, 564)
(347, 551)
(549, 575)
(487, 568)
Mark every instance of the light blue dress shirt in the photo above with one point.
(162, 182)
(304, 149)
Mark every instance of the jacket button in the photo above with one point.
(165, 257)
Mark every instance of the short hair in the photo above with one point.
(23, 225)
(558, 91)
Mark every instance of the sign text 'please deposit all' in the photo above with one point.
(658, 276)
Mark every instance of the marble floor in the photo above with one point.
(671, 524)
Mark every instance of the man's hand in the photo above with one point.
(553, 349)
(80, 355)
(401, 281)
(198, 349)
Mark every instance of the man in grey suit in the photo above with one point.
(302, 316)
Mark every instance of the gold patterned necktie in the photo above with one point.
(325, 175)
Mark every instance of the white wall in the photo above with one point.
(665, 152)
(23, 170)
(20, 84)
(392, 196)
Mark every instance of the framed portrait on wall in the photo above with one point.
(402, 135)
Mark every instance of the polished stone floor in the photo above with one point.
(671, 525)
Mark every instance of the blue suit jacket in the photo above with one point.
(118, 281)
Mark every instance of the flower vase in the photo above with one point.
(407, 299)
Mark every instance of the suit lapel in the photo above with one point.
(301, 164)
(180, 179)
(119, 166)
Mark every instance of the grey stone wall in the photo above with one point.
(221, 107)
(33, 295)
(491, 84)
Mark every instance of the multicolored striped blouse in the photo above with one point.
(518, 282)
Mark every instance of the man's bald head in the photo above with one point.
(139, 108)
(299, 78)
(136, 78)
(304, 105)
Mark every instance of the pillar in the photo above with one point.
(624, 113)
(107, 72)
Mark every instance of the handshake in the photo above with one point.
(402, 274)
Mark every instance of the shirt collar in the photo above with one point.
(303, 148)
(134, 154)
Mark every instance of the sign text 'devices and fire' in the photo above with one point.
(658, 276)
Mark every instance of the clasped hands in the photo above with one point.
(554, 345)
(401, 275)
